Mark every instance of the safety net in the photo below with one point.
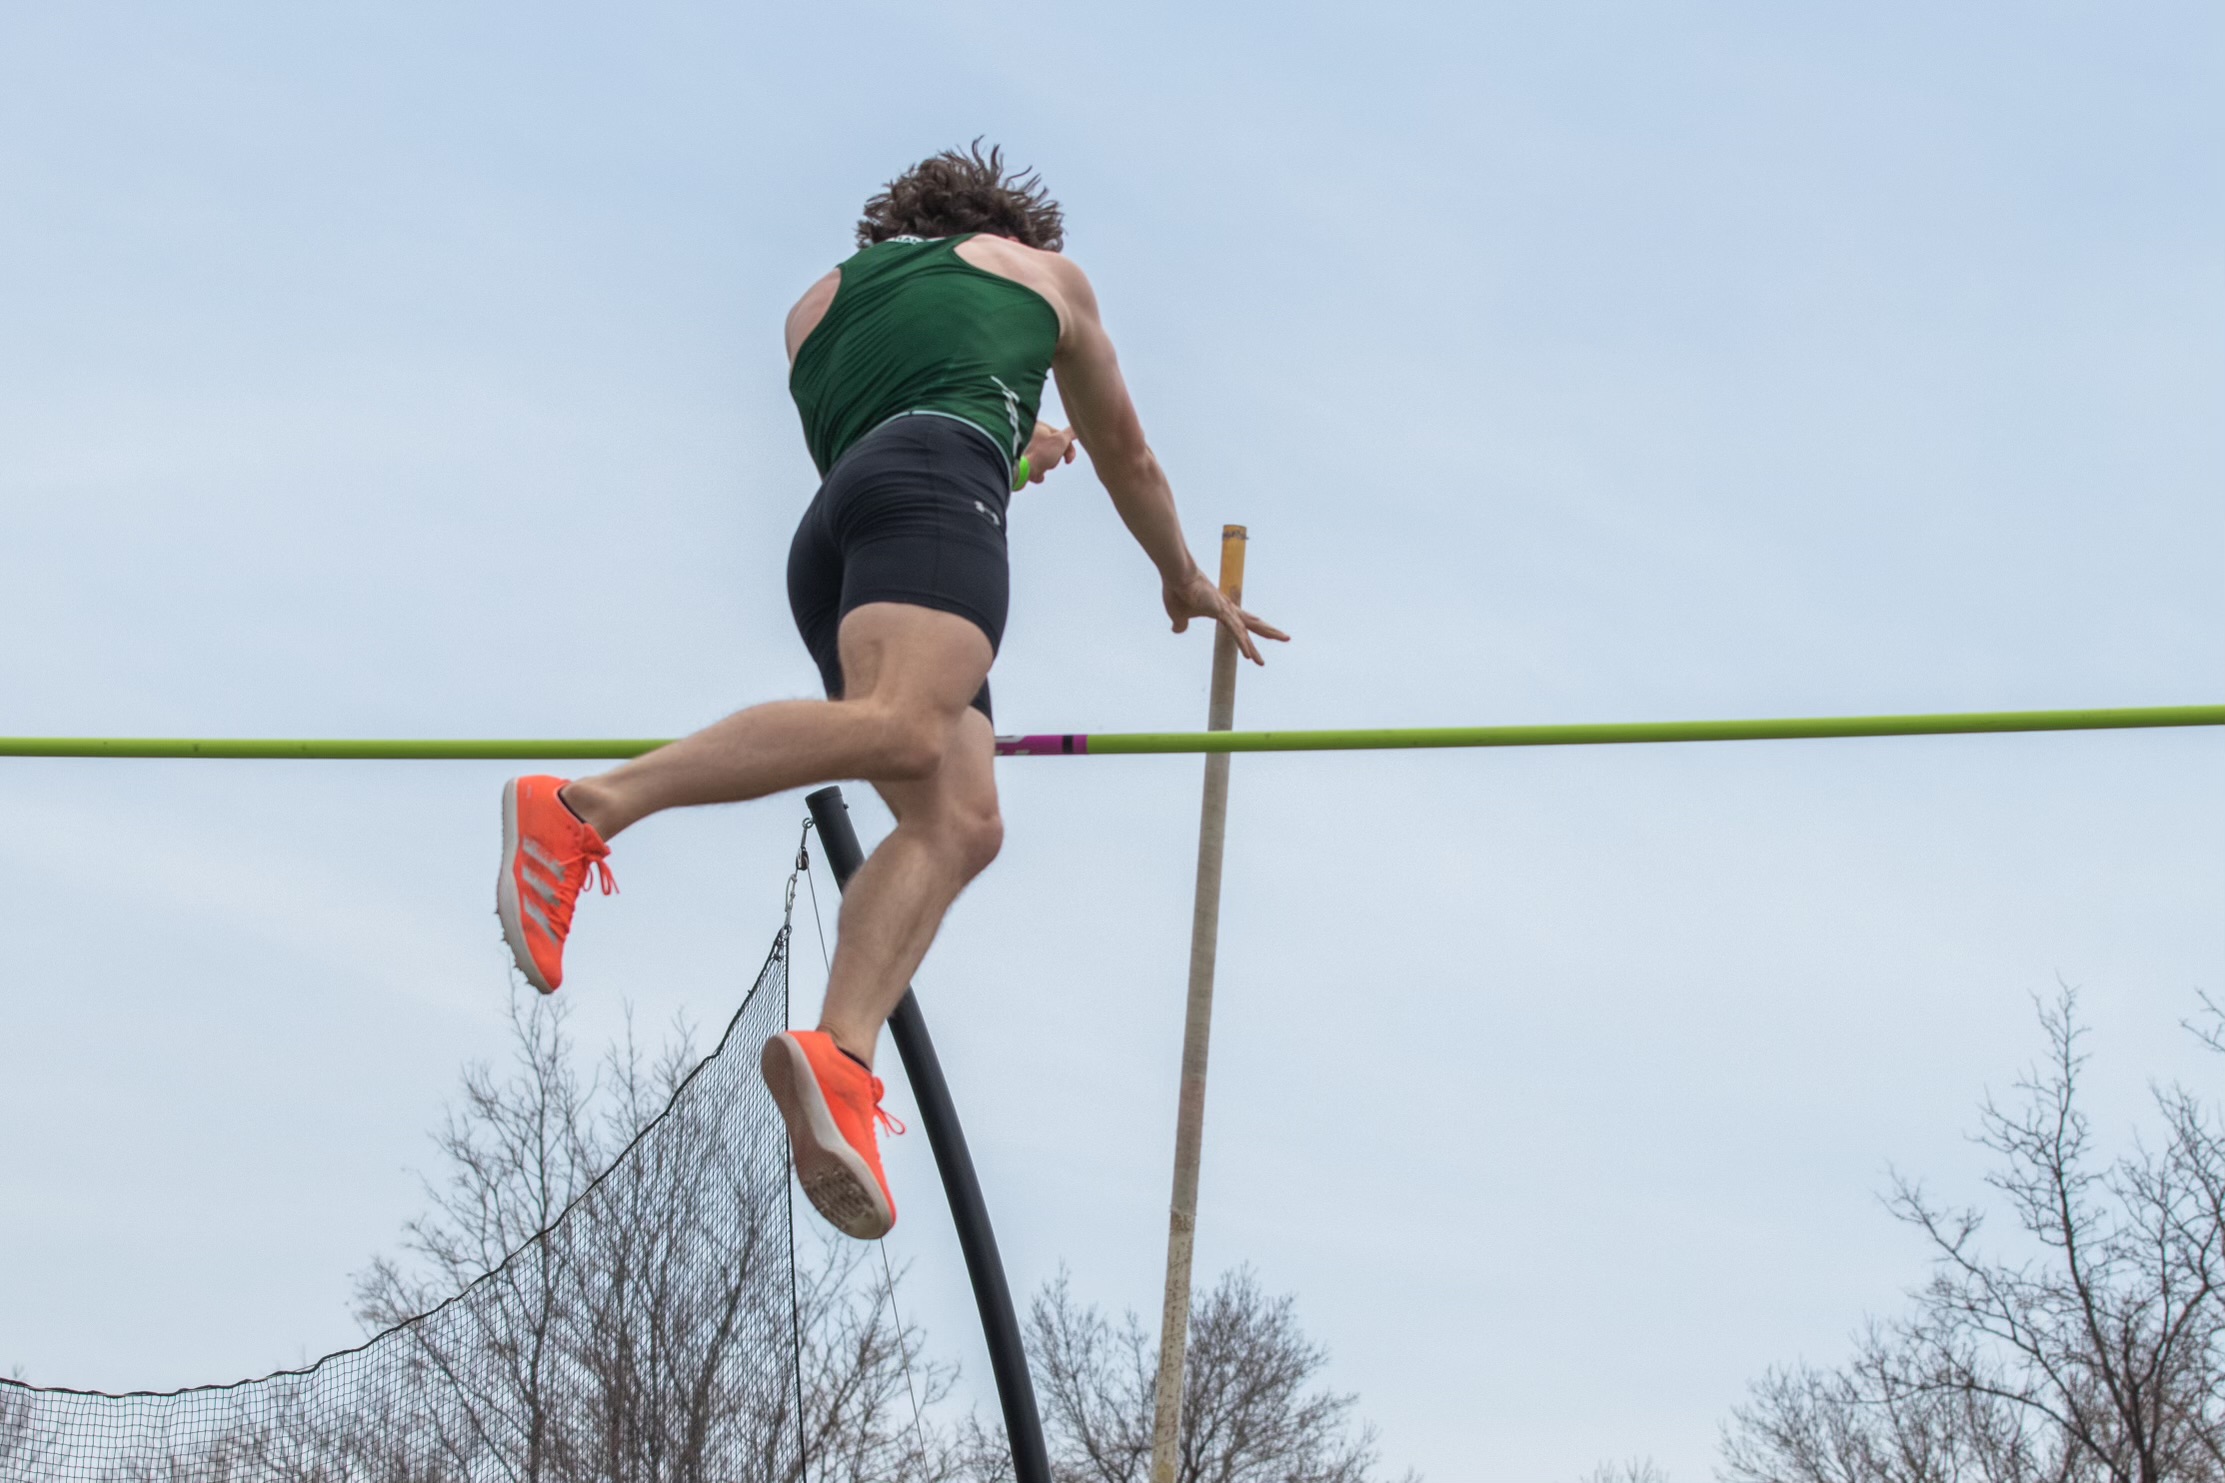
(646, 1335)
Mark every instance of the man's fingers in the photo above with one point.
(1204, 601)
(1232, 620)
(1263, 628)
(1243, 625)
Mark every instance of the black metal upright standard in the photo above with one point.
(1008, 1360)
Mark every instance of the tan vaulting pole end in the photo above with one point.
(1197, 1034)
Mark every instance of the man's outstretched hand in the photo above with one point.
(1198, 597)
(1149, 516)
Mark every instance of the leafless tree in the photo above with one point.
(1251, 1412)
(591, 1297)
(26, 1444)
(870, 1392)
(2088, 1350)
(612, 1346)
(1885, 1417)
(1630, 1470)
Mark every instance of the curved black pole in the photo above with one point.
(1008, 1360)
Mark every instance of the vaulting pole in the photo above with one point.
(1008, 1361)
(1197, 1034)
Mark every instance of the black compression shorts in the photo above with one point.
(914, 512)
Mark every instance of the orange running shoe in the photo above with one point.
(830, 1104)
(547, 856)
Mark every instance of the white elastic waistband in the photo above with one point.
(1002, 456)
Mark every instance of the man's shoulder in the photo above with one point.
(986, 247)
(1052, 275)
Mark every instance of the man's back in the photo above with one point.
(913, 326)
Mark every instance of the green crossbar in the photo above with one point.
(1611, 733)
(1132, 743)
(321, 749)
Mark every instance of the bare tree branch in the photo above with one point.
(1251, 1411)
(2095, 1353)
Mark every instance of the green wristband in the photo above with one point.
(1020, 474)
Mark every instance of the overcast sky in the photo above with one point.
(403, 371)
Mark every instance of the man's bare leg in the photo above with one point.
(947, 831)
(909, 674)
(907, 725)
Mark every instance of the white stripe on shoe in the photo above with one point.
(508, 908)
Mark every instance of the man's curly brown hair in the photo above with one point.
(964, 190)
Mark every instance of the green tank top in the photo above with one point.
(916, 328)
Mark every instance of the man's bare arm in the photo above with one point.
(1096, 397)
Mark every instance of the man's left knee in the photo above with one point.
(977, 835)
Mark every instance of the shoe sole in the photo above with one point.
(506, 893)
(838, 1183)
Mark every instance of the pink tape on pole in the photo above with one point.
(1045, 744)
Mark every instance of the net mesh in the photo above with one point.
(647, 1335)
